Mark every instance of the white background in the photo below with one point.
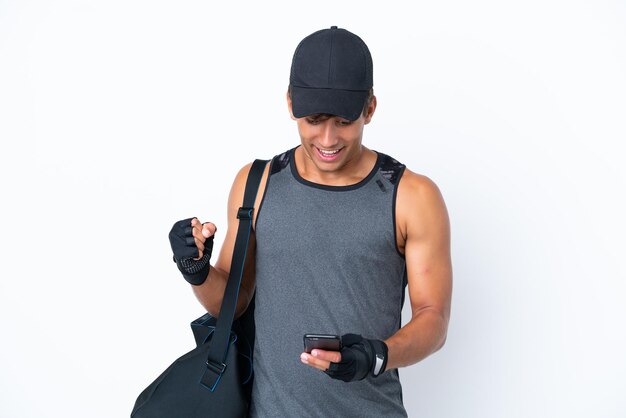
(118, 118)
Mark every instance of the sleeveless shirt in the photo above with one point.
(327, 262)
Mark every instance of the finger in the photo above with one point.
(187, 231)
(197, 233)
(183, 229)
(317, 366)
(199, 244)
(200, 254)
(195, 223)
(334, 356)
(208, 229)
(314, 362)
(197, 227)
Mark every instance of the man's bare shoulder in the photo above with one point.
(239, 186)
(419, 203)
(412, 183)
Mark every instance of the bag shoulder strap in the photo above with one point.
(221, 337)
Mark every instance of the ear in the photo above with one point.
(289, 107)
(370, 110)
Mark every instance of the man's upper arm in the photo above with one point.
(426, 232)
(235, 200)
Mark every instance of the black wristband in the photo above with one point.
(194, 271)
(379, 351)
(360, 357)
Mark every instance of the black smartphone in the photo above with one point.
(322, 341)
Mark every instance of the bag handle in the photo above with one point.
(218, 349)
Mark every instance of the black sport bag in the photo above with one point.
(215, 378)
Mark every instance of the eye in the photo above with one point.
(344, 122)
(312, 121)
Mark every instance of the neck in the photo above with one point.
(354, 169)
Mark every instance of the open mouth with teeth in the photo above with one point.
(328, 154)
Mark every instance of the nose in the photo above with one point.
(328, 136)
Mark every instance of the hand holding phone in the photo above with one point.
(322, 341)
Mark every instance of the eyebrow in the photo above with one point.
(316, 116)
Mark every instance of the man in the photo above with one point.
(339, 230)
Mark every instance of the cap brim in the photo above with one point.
(347, 104)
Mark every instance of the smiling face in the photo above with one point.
(332, 144)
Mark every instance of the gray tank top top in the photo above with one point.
(327, 262)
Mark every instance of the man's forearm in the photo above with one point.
(422, 336)
(211, 293)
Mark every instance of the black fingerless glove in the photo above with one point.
(185, 250)
(360, 358)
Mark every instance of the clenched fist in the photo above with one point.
(192, 243)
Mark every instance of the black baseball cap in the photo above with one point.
(331, 72)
